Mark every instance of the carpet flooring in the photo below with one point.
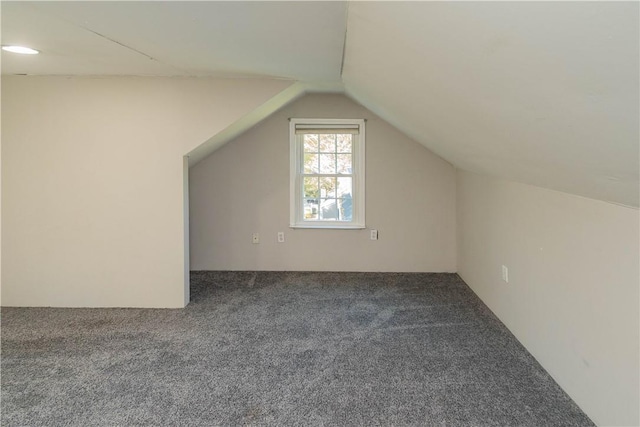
(270, 348)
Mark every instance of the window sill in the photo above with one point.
(329, 226)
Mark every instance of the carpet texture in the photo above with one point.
(272, 348)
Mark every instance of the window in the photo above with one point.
(327, 173)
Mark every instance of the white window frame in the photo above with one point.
(297, 219)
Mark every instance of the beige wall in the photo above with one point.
(244, 188)
(572, 297)
(92, 183)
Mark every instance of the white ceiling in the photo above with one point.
(545, 93)
(298, 40)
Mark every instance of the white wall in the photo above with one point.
(244, 188)
(92, 183)
(573, 292)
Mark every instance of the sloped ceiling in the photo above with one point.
(544, 93)
(297, 40)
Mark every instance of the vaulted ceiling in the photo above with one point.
(297, 40)
(544, 93)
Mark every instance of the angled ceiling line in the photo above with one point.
(344, 40)
(125, 46)
(83, 27)
(118, 43)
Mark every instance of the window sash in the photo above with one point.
(300, 127)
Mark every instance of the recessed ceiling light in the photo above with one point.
(20, 49)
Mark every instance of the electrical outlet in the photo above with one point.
(374, 234)
(505, 273)
(280, 236)
(256, 238)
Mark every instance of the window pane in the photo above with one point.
(310, 163)
(328, 209)
(346, 209)
(327, 187)
(327, 163)
(327, 143)
(344, 163)
(310, 143)
(311, 210)
(311, 188)
(344, 187)
(344, 143)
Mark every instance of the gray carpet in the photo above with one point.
(280, 349)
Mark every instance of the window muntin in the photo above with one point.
(327, 173)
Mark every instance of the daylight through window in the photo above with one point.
(327, 173)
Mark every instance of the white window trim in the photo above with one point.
(296, 153)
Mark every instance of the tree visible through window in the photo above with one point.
(327, 173)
